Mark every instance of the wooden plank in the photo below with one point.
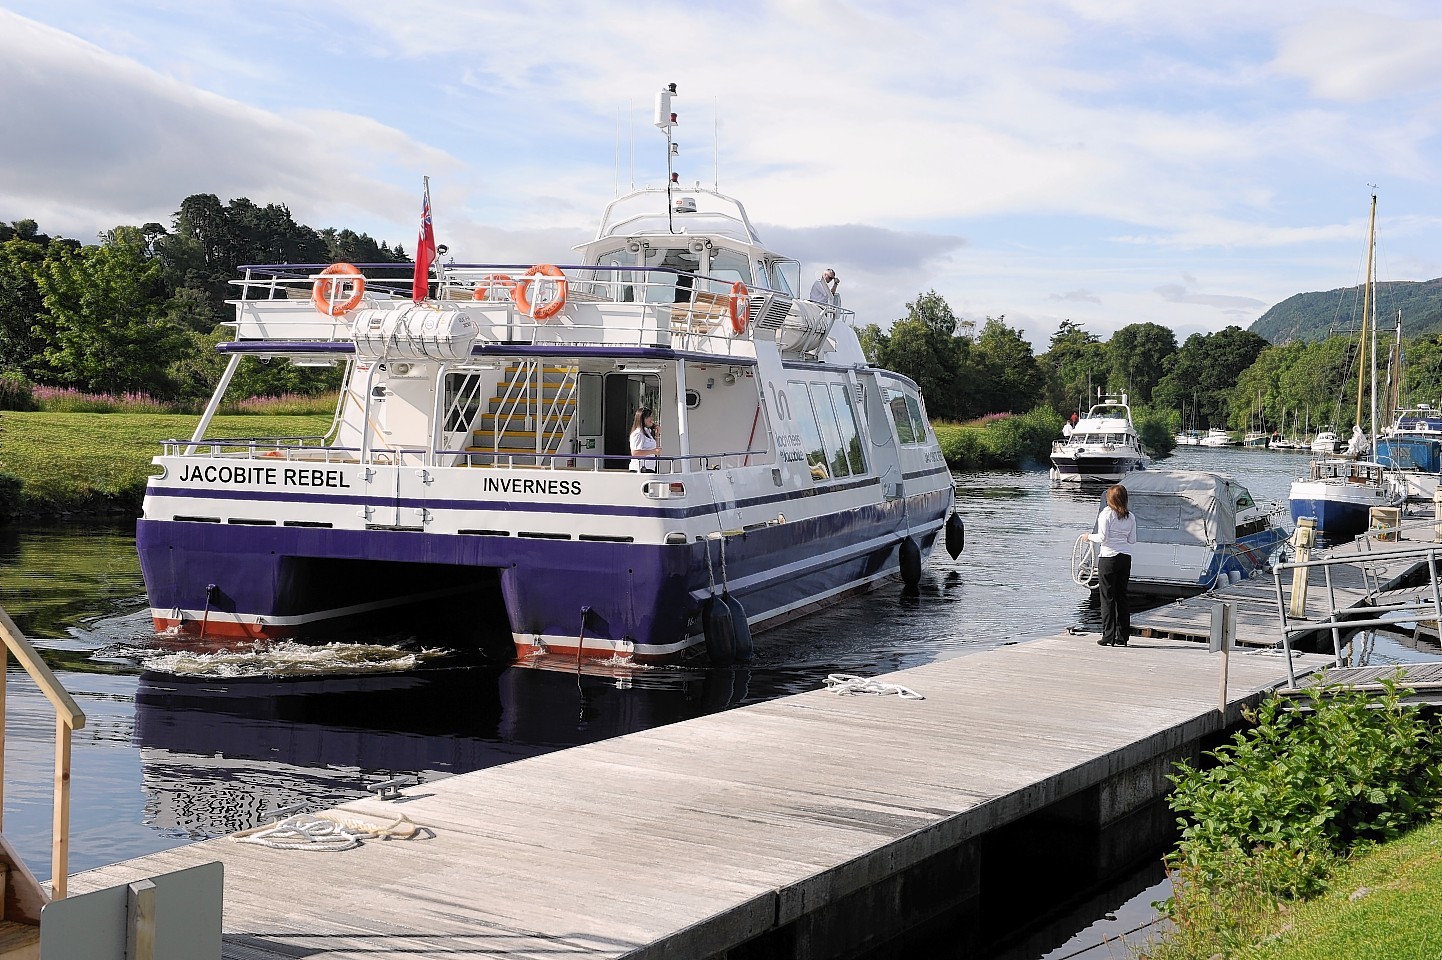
(707, 831)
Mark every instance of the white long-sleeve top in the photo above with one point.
(1115, 534)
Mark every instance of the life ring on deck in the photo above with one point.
(521, 292)
(493, 281)
(326, 292)
(738, 308)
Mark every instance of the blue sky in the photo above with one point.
(1104, 161)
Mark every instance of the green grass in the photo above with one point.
(84, 462)
(1382, 905)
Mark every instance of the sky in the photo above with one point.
(1107, 162)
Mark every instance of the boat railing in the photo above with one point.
(273, 452)
(603, 306)
(1342, 617)
(68, 718)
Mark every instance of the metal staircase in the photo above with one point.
(529, 417)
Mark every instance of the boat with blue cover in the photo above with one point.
(479, 464)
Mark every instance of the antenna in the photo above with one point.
(665, 120)
(616, 177)
(716, 144)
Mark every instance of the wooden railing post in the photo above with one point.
(60, 850)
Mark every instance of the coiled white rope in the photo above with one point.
(846, 684)
(323, 832)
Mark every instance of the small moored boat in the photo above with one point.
(1195, 530)
(1103, 447)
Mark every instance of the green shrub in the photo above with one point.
(17, 393)
(1155, 430)
(1287, 800)
(1000, 440)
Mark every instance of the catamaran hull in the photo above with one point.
(217, 582)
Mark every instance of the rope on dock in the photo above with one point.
(323, 833)
(846, 684)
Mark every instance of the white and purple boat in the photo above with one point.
(477, 467)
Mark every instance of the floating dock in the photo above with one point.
(816, 825)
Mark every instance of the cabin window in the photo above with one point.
(462, 400)
(836, 463)
(610, 280)
(777, 279)
(729, 266)
(906, 414)
(850, 434)
(810, 432)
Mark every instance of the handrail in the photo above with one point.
(68, 718)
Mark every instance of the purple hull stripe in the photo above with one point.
(646, 593)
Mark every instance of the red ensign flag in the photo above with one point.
(425, 249)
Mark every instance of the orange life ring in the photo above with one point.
(521, 293)
(738, 307)
(329, 304)
(492, 281)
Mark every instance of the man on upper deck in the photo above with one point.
(824, 289)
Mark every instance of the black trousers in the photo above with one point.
(1116, 607)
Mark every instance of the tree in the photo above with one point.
(1075, 364)
(924, 346)
(21, 305)
(1205, 371)
(106, 305)
(1138, 355)
(1008, 377)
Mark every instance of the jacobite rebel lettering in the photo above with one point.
(242, 475)
(553, 488)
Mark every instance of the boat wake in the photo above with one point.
(290, 659)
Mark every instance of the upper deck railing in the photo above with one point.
(605, 305)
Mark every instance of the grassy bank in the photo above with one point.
(85, 462)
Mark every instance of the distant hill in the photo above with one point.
(1315, 316)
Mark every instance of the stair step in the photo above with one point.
(19, 941)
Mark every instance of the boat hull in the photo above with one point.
(218, 582)
(1094, 469)
(1342, 510)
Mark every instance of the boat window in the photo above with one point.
(896, 402)
(1245, 501)
(846, 419)
(918, 418)
(462, 400)
(609, 281)
(836, 462)
(777, 279)
(810, 433)
(730, 266)
(669, 287)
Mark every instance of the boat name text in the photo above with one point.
(269, 476)
(554, 488)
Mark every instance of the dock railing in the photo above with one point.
(68, 718)
(1340, 617)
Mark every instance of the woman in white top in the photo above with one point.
(1116, 532)
(645, 446)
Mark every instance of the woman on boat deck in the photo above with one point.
(645, 446)
(1116, 532)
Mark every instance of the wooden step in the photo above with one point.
(19, 941)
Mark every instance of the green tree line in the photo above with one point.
(141, 310)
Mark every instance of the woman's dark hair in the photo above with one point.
(1117, 499)
(640, 422)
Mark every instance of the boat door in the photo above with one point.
(621, 395)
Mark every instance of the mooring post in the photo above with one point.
(1224, 631)
(1303, 540)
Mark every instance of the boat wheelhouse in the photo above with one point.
(1102, 447)
(479, 464)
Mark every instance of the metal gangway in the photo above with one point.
(1388, 561)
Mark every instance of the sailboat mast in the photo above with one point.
(1366, 305)
(1372, 282)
